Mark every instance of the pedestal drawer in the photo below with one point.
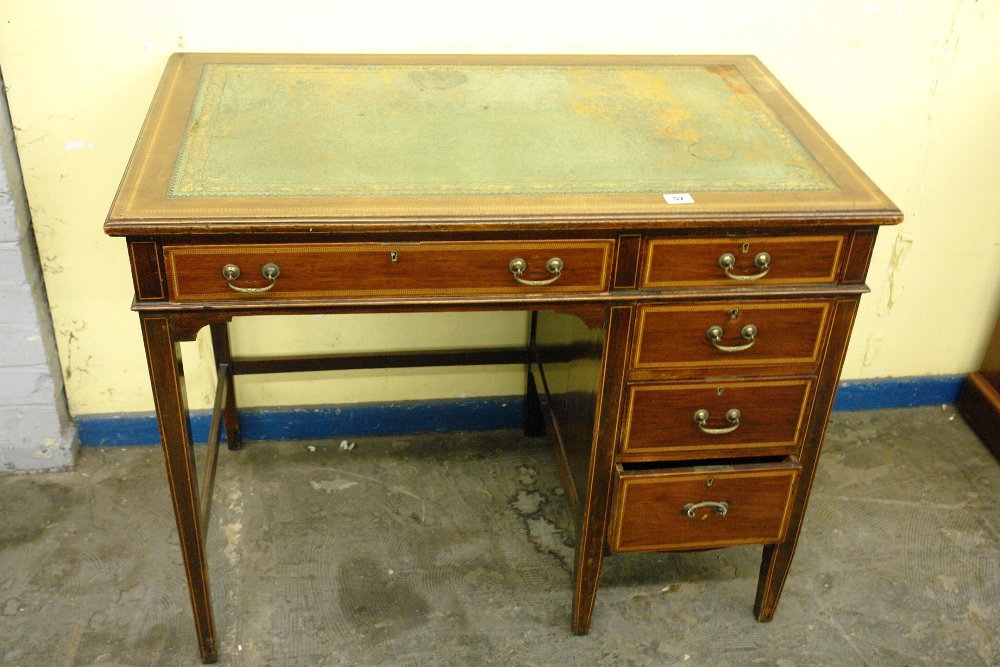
(196, 273)
(671, 421)
(781, 260)
(733, 336)
(702, 507)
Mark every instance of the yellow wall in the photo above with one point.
(910, 89)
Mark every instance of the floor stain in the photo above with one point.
(332, 485)
(546, 529)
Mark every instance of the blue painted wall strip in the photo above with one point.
(909, 392)
(319, 423)
(480, 414)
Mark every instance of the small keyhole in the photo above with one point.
(719, 392)
(710, 481)
(734, 313)
(394, 255)
(746, 247)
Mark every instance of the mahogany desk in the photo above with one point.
(692, 245)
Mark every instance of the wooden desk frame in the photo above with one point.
(586, 435)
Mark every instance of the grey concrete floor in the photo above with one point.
(454, 549)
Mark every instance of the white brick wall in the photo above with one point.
(36, 433)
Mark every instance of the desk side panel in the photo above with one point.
(571, 389)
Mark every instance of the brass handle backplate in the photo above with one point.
(761, 260)
(732, 416)
(270, 271)
(748, 332)
(719, 508)
(518, 266)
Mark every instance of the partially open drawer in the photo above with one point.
(702, 507)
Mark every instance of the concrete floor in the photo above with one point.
(455, 549)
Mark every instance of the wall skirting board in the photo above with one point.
(470, 414)
(319, 422)
(908, 392)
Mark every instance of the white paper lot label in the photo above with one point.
(683, 198)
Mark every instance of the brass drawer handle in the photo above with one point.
(749, 332)
(518, 266)
(231, 272)
(762, 261)
(732, 416)
(720, 508)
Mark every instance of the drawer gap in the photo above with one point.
(705, 465)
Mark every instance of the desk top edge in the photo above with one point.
(136, 211)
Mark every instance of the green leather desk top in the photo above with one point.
(335, 130)
(410, 138)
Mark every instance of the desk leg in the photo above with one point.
(163, 356)
(778, 557)
(223, 355)
(534, 420)
(594, 521)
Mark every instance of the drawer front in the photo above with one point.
(702, 508)
(731, 335)
(660, 419)
(195, 273)
(696, 262)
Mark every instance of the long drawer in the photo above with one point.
(783, 260)
(732, 336)
(206, 273)
(681, 420)
(701, 507)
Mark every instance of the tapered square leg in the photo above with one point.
(594, 515)
(165, 372)
(773, 571)
(223, 355)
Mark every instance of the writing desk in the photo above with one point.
(691, 244)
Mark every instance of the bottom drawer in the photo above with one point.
(702, 507)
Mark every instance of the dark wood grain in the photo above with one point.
(675, 337)
(859, 254)
(591, 541)
(212, 457)
(194, 273)
(534, 417)
(212, 311)
(649, 512)
(163, 355)
(568, 356)
(416, 359)
(660, 419)
(794, 259)
(224, 360)
(574, 489)
(979, 404)
(979, 400)
(147, 273)
(627, 261)
(990, 368)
